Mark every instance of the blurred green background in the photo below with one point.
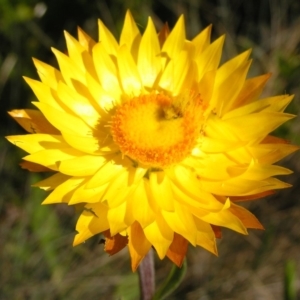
(37, 260)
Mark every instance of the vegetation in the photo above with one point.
(37, 260)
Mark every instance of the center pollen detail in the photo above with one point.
(157, 130)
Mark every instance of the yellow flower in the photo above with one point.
(152, 139)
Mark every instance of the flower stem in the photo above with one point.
(147, 277)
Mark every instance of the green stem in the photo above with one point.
(147, 277)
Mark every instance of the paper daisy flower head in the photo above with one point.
(152, 139)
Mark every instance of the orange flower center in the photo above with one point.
(157, 130)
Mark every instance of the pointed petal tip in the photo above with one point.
(11, 113)
(9, 138)
(101, 24)
(134, 267)
(29, 80)
(36, 63)
(77, 240)
(213, 250)
(45, 202)
(135, 262)
(248, 51)
(34, 60)
(15, 113)
(181, 18)
(68, 36)
(128, 14)
(177, 260)
(54, 50)
(222, 37)
(261, 227)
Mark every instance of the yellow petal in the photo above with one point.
(228, 86)
(82, 165)
(205, 236)
(257, 172)
(190, 201)
(63, 121)
(84, 195)
(116, 219)
(202, 40)
(72, 102)
(137, 205)
(33, 121)
(160, 235)
(75, 50)
(229, 82)
(206, 87)
(271, 153)
(228, 68)
(32, 143)
(245, 128)
(186, 185)
(104, 99)
(161, 190)
(92, 221)
(85, 40)
(79, 55)
(224, 218)
(251, 90)
(118, 190)
(106, 173)
(129, 75)
(241, 187)
(138, 245)
(130, 35)
(276, 104)
(210, 58)
(149, 64)
(106, 70)
(217, 129)
(107, 39)
(69, 70)
(32, 167)
(96, 145)
(52, 182)
(44, 93)
(208, 243)
(205, 166)
(175, 40)
(249, 127)
(212, 145)
(181, 221)
(48, 75)
(176, 74)
(51, 158)
(63, 192)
